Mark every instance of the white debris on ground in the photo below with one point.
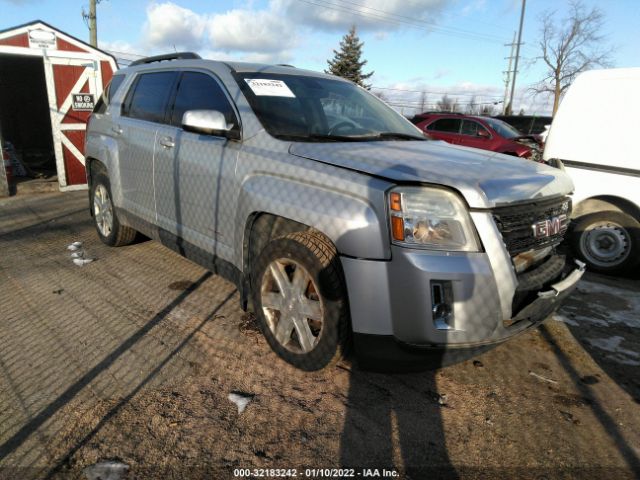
(79, 255)
(81, 262)
(107, 470)
(241, 399)
(540, 377)
(618, 354)
(75, 246)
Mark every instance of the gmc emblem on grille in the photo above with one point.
(549, 227)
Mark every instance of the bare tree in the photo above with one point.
(381, 95)
(447, 104)
(570, 46)
(487, 110)
(423, 102)
(472, 106)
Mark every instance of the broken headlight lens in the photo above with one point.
(430, 218)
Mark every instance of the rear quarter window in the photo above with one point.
(149, 96)
(107, 95)
(450, 125)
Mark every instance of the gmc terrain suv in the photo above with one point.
(339, 223)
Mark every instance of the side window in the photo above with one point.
(198, 91)
(469, 127)
(148, 98)
(116, 81)
(108, 93)
(450, 125)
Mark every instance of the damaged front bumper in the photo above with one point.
(393, 315)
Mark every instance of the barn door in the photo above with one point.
(74, 85)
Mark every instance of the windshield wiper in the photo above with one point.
(320, 137)
(396, 136)
(351, 138)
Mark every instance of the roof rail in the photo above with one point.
(284, 65)
(440, 112)
(168, 56)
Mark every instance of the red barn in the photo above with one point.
(49, 83)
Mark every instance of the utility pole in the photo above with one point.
(90, 20)
(507, 80)
(93, 28)
(515, 68)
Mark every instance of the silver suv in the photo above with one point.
(339, 223)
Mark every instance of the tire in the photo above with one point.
(319, 339)
(109, 228)
(608, 242)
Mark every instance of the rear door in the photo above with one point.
(143, 112)
(195, 173)
(447, 129)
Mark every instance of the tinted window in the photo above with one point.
(116, 81)
(469, 127)
(503, 129)
(445, 125)
(197, 91)
(108, 93)
(150, 96)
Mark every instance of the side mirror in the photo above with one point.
(210, 122)
(482, 133)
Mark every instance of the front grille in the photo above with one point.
(517, 224)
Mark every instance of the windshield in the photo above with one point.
(502, 128)
(314, 109)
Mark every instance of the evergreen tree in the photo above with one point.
(346, 63)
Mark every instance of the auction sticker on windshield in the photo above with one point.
(269, 88)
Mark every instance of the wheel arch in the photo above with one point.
(259, 229)
(606, 202)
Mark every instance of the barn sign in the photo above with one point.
(83, 101)
(75, 75)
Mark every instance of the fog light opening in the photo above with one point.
(442, 304)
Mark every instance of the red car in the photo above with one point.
(479, 132)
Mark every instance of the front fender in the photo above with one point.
(354, 220)
(105, 149)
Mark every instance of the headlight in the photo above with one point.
(430, 218)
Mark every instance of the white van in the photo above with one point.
(596, 134)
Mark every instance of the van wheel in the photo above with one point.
(110, 230)
(608, 242)
(300, 299)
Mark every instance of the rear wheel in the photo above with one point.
(608, 242)
(109, 228)
(301, 301)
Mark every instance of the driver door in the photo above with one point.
(195, 173)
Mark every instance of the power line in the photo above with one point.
(465, 94)
(399, 21)
(432, 24)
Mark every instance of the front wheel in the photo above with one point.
(608, 242)
(301, 301)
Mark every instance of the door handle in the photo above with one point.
(167, 142)
(116, 129)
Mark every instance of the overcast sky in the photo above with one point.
(438, 46)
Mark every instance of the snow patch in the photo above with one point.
(563, 319)
(603, 315)
(620, 355)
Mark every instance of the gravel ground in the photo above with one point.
(131, 359)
